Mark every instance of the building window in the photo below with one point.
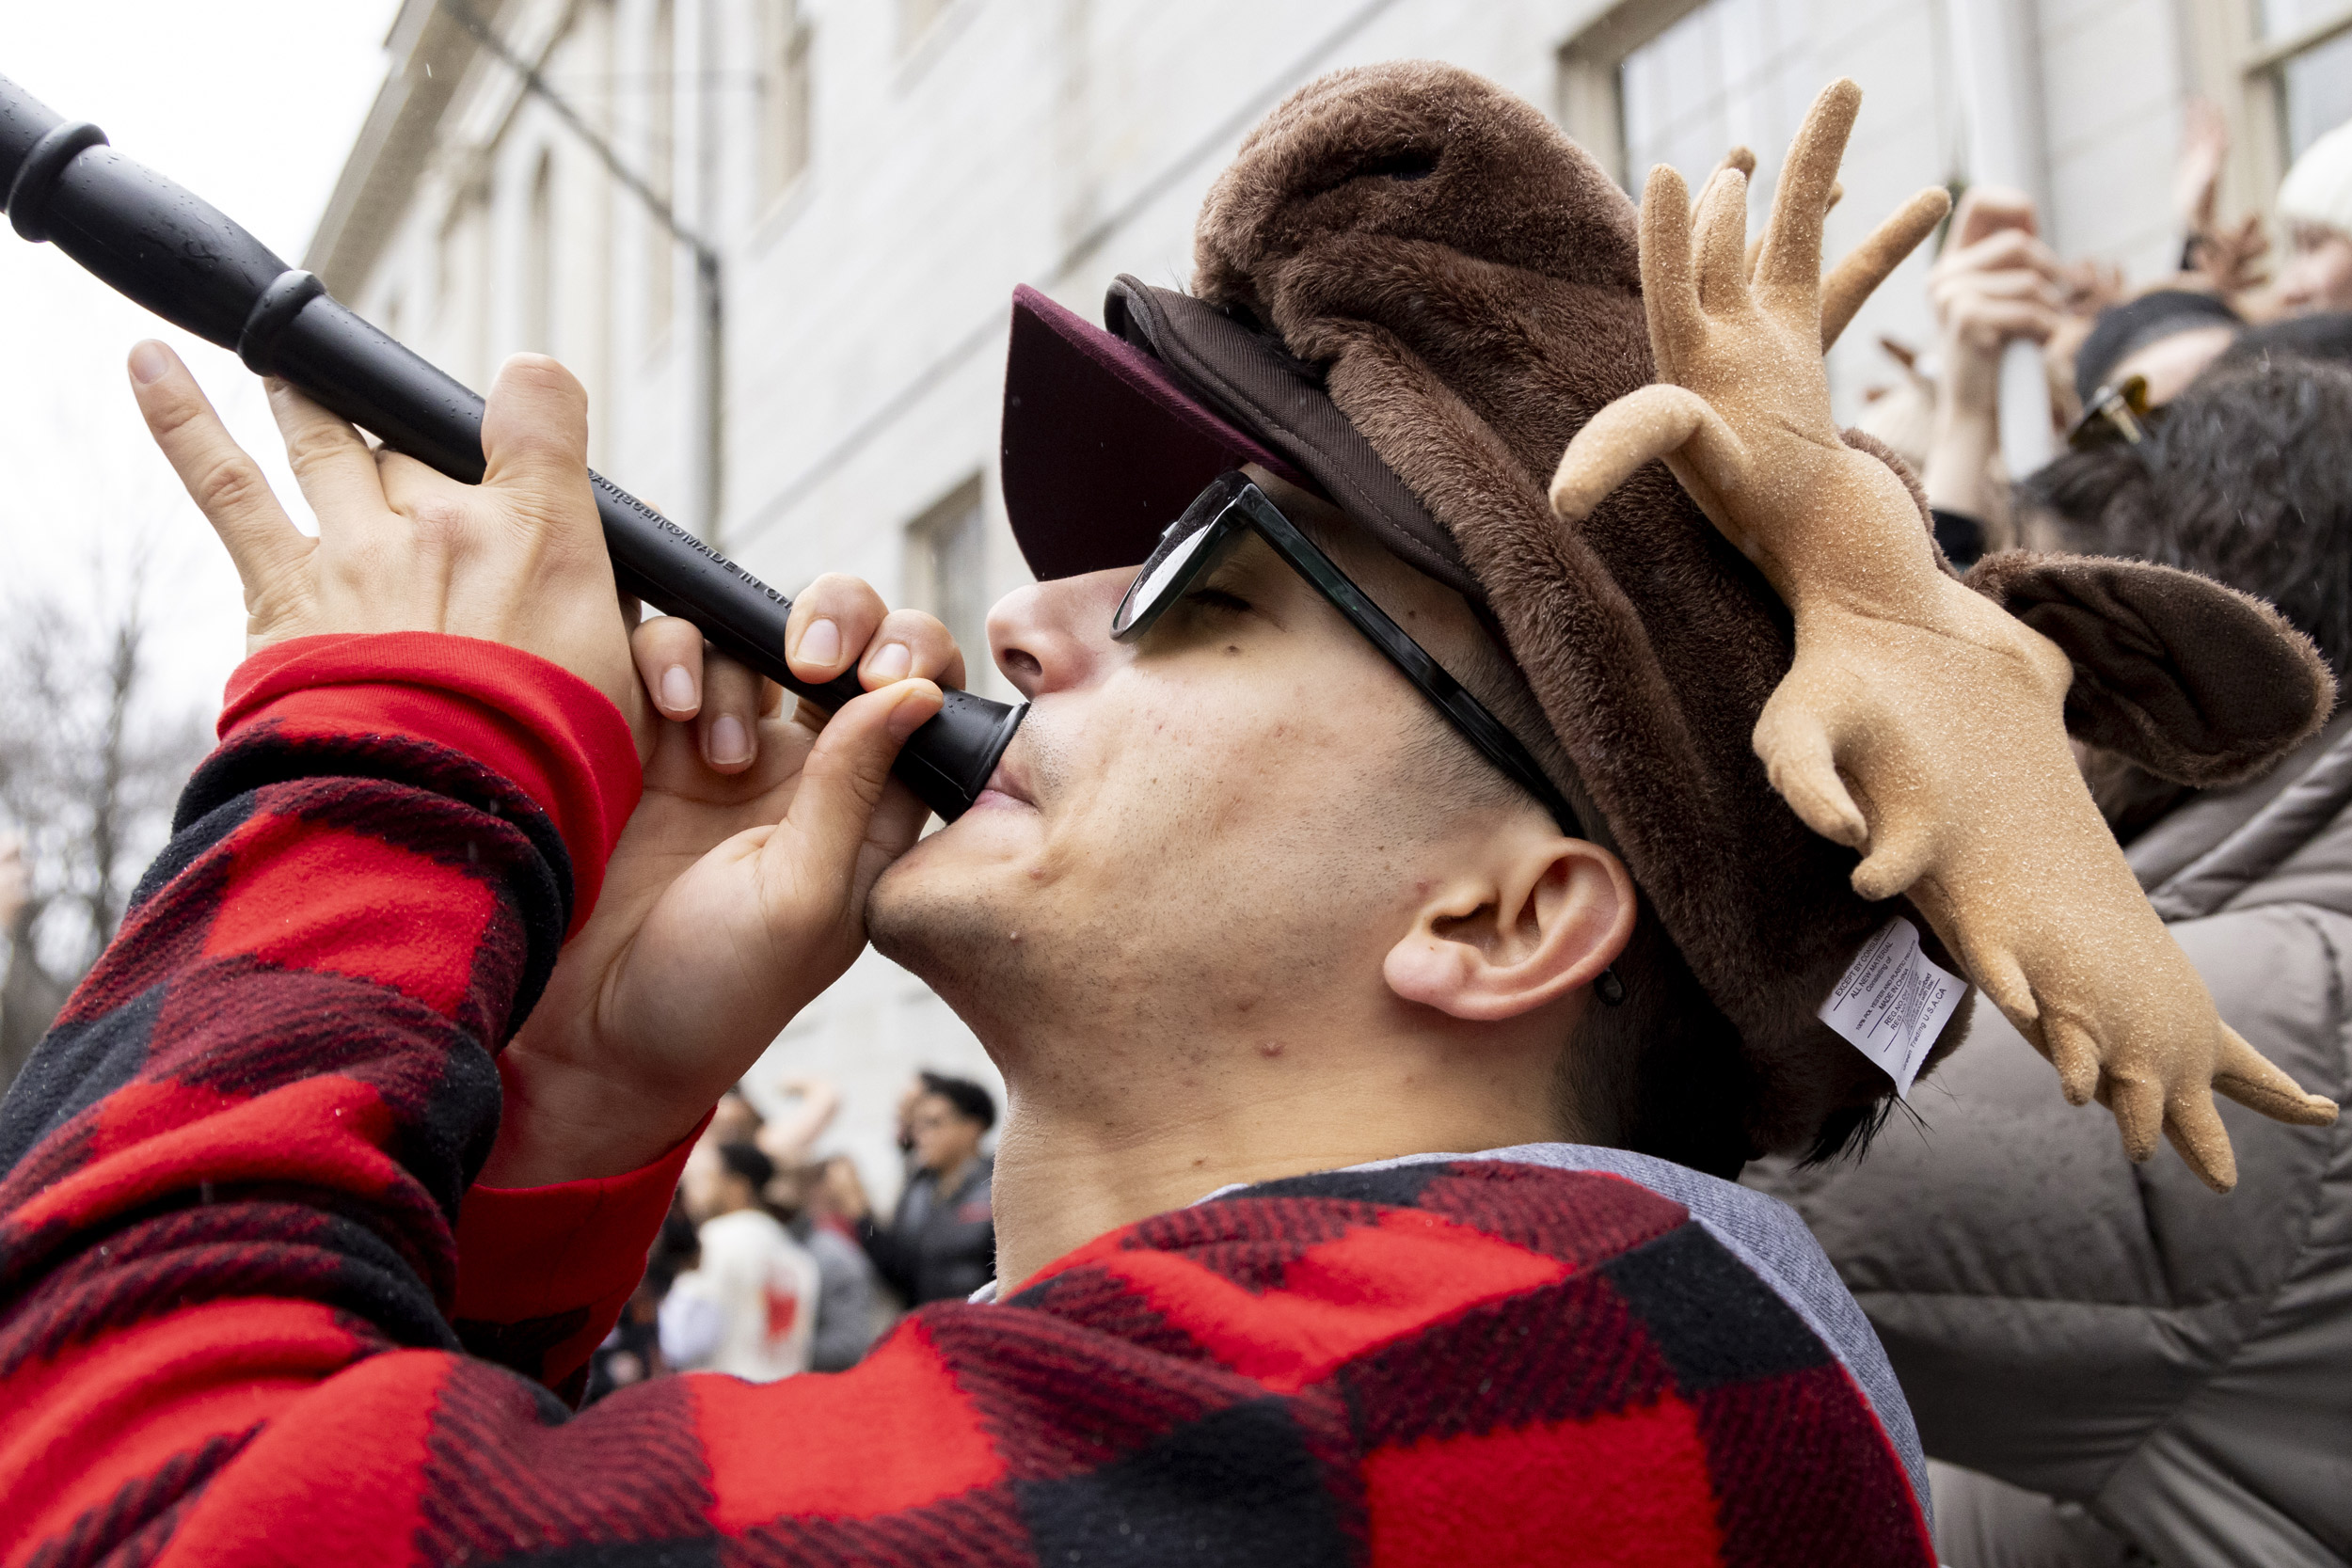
(947, 559)
(460, 289)
(2304, 49)
(784, 97)
(661, 168)
(539, 261)
(2282, 72)
(1677, 82)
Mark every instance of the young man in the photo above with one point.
(941, 1242)
(1272, 928)
(749, 1308)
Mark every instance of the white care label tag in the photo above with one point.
(1893, 1002)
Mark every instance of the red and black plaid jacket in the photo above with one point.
(241, 1319)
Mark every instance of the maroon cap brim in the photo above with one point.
(1102, 447)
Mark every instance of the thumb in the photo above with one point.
(847, 771)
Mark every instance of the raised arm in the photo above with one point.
(234, 1229)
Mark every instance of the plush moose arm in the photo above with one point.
(1921, 722)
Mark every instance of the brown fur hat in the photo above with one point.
(1467, 277)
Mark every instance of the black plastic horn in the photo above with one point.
(190, 265)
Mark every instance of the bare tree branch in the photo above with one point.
(88, 770)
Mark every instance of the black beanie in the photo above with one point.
(2122, 330)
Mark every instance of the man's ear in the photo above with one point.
(1538, 920)
(2196, 682)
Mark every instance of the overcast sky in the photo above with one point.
(250, 103)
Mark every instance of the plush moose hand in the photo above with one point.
(1921, 722)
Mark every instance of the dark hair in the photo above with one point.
(676, 1247)
(971, 1102)
(746, 1160)
(2246, 479)
(2122, 330)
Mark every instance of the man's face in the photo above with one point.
(1203, 831)
(2318, 271)
(945, 1137)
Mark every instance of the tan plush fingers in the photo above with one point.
(1998, 975)
(2138, 1106)
(1756, 246)
(1638, 428)
(1900, 851)
(2074, 1051)
(1670, 288)
(1865, 266)
(2252, 1078)
(1723, 233)
(1789, 271)
(2194, 1126)
(1796, 740)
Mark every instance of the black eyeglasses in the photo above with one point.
(1232, 507)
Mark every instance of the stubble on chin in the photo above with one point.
(950, 938)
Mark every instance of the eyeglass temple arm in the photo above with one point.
(1479, 727)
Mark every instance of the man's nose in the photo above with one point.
(1054, 636)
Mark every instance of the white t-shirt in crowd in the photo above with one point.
(749, 1308)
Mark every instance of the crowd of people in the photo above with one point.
(1398, 1086)
(771, 1261)
(2109, 1367)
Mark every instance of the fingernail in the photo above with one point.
(677, 688)
(821, 644)
(150, 362)
(891, 664)
(729, 741)
(907, 718)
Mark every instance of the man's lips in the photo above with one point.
(1007, 784)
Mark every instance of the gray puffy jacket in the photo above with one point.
(2174, 1363)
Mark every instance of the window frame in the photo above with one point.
(2230, 63)
(1590, 94)
(928, 539)
(787, 88)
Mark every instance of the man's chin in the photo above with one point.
(932, 908)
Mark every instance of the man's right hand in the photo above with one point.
(737, 889)
(518, 559)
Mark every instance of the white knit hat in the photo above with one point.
(2319, 189)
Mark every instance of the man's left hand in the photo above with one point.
(724, 912)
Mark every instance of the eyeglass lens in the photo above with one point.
(1163, 577)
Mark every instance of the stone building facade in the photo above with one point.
(869, 179)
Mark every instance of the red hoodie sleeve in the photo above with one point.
(234, 1165)
(543, 1271)
(229, 1263)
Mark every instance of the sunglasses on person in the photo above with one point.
(2117, 413)
(1233, 507)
